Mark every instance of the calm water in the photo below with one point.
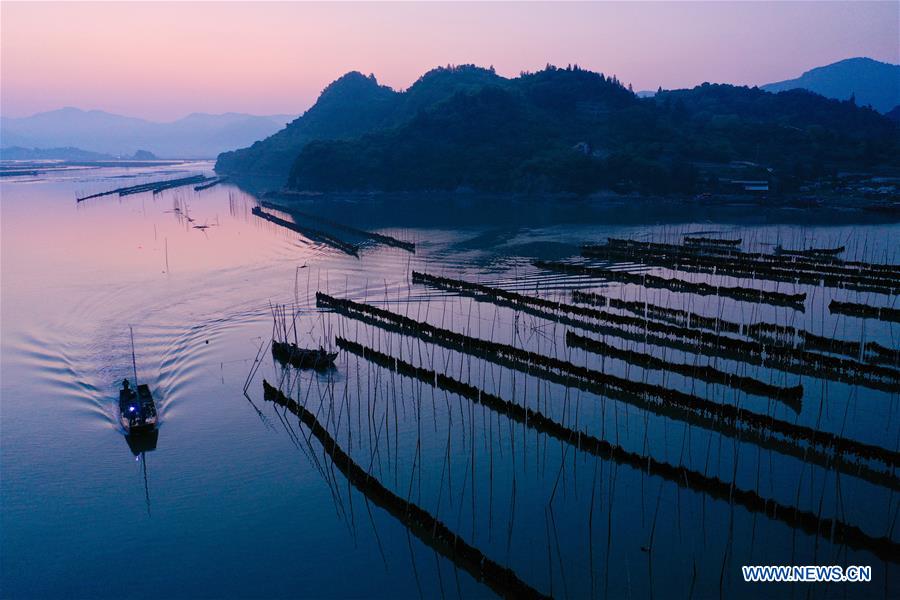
(238, 500)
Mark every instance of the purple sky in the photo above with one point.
(164, 60)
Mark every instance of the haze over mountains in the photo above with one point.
(195, 136)
(873, 83)
(560, 129)
(350, 107)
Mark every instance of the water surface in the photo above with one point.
(238, 500)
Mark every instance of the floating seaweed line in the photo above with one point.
(425, 526)
(155, 187)
(794, 301)
(313, 234)
(791, 396)
(865, 311)
(377, 237)
(780, 335)
(858, 275)
(784, 357)
(660, 313)
(725, 265)
(822, 447)
(834, 529)
(821, 263)
(706, 241)
(213, 182)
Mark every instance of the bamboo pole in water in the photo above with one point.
(826, 448)
(808, 522)
(431, 531)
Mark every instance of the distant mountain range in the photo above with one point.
(467, 127)
(871, 82)
(195, 136)
(69, 153)
(568, 130)
(20, 153)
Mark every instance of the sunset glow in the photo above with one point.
(164, 60)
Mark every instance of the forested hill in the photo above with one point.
(350, 106)
(560, 130)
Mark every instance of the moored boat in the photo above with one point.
(811, 252)
(302, 358)
(706, 241)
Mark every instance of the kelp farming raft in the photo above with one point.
(154, 186)
(210, 183)
(675, 284)
(865, 311)
(782, 348)
(712, 242)
(812, 445)
(433, 532)
(791, 396)
(378, 238)
(770, 334)
(313, 234)
(789, 267)
(807, 521)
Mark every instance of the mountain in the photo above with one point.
(498, 135)
(873, 83)
(144, 155)
(894, 114)
(572, 130)
(20, 153)
(195, 136)
(348, 107)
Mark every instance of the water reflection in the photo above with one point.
(579, 492)
(142, 442)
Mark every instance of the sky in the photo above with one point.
(161, 61)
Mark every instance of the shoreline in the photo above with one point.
(454, 207)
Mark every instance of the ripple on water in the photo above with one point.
(58, 374)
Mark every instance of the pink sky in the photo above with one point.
(164, 60)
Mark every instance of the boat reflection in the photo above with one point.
(142, 441)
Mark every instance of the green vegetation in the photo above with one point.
(349, 107)
(564, 130)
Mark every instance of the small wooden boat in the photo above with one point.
(705, 241)
(137, 411)
(302, 358)
(810, 252)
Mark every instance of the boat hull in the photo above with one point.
(302, 359)
(142, 440)
(137, 411)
